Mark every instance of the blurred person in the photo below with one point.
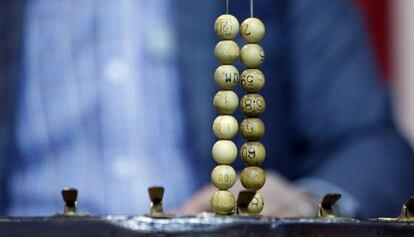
(403, 68)
(114, 96)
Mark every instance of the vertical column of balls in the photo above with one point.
(225, 126)
(252, 105)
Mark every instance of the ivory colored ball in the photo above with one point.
(227, 52)
(253, 105)
(252, 80)
(253, 153)
(226, 77)
(226, 102)
(224, 152)
(253, 178)
(256, 205)
(252, 30)
(225, 127)
(223, 202)
(252, 129)
(252, 56)
(223, 177)
(226, 27)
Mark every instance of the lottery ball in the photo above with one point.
(252, 178)
(223, 202)
(256, 205)
(252, 80)
(226, 77)
(252, 30)
(225, 127)
(226, 102)
(224, 152)
(252, 129)
(253, 153)
(252, 56)
(253, 105)
(227, 52)
(223, 177)
(226, 27)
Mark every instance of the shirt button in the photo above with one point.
(117, 71)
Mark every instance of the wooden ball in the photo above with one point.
(226, 77)
(226, 27)
(252, 178)
(252, 56)
(226, 102)
(252, 30)
(227, 52)
(252, 80)
(224, 152)
(253, 105)
(225, 127)
(252, 129)
(223, 177)
(256, 205)
(223, 202)
(253, 153)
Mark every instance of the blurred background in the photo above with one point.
(89, 100)
(390, 27)
(399, 38)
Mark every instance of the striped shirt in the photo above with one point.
(100, 108)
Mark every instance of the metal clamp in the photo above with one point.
(156, 195)
(407, 213)
(70, 196)
(243, 200)
(326, 207)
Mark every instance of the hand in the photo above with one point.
(282, 199)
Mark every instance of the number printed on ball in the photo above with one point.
(252, 129)
(256, 205)
(252, 80)
(227, 52)
(226, 77)
(253, 153)
(223, 202)
(252, 56)
(225, 127)
(226, 27)
(223, 177)
(226, 102)
(252, 30)
(253, 105)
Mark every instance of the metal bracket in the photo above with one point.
(326, 209)
(70, 196)
(156, 195)
(407, 213)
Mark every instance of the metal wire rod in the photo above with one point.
(227, 6)
(251, 8)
